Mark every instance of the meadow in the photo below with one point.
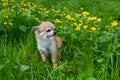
(89, 29)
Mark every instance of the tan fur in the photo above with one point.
(47, 42)
(58, 41)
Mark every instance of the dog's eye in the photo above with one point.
(48, 30)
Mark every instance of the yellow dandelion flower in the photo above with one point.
(2, 0)
(114, 23)
(44, 9)
(37, 19)
(58, 10)
(64, 14)
(3, 11)
(10, 23)
(35, 5)
(61, 14)
(92, 18)
(40, 8)
(68, 17)
(81, 8)
(13, 0)
(65, 8)
(99, 19)
(93, 28)
(72, 18)
(31, 8)
(22, 0)
(80, 21)
(5, 23)
(87, 21)
(5, 16)
(29, 12)
(53, 10)
(5, 4)
(29, 4)
(85, 26)
(24, 4)
(57, 20)
(60, 26)
(66, 21)
(78, 10)
(74, 24)
(22, 9)
(77, 28)
(13, 7)
(80, 24)
(106, 27)
(85, 13)
(98, 28)
(46, 12)
(12, 10)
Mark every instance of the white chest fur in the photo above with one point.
(46, 45)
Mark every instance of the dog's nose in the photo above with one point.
(54, 33)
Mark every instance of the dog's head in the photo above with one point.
(45, 29)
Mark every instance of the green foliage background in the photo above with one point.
(90, 31)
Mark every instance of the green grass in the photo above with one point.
(86, 54)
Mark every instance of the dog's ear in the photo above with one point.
(35, 28)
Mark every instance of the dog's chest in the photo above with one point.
(45, 44)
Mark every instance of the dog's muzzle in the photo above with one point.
(54, 33)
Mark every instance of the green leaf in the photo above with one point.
(1, 66)
(22, 28)
(1, 28)
(100, 60)
(1, 17)
(91, 78)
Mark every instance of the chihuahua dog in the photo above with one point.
(47, 41)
